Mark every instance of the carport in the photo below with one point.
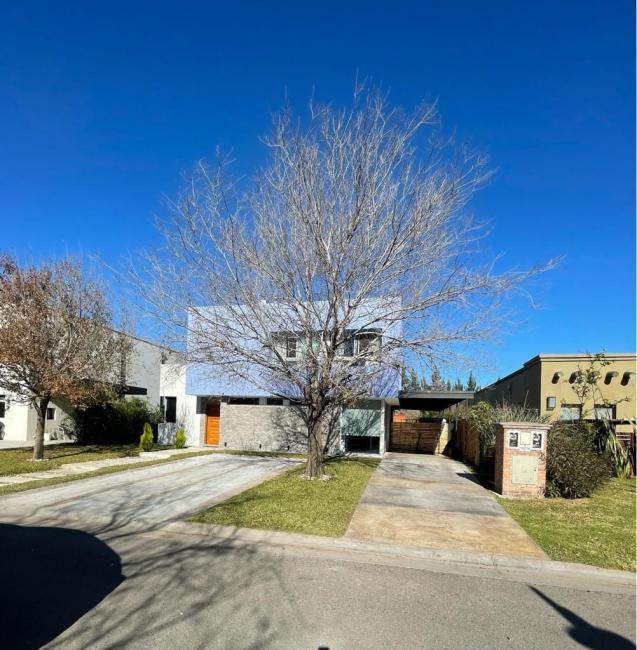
(426, 435)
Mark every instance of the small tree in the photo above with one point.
(180, 438)
(471, 382)
(146, 439)
(55, 339)
(585, 383)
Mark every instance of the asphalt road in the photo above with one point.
(123, 580)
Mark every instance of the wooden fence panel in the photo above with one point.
(415, 437)
(467, 442)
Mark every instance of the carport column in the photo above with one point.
(520, 459)
(444, 437)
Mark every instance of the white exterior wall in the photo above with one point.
(18, 422)
(173, 384)
(143, 370)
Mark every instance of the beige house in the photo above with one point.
(546, 383)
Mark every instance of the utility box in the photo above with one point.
(520, 459)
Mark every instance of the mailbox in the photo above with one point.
(520, 459)
(526, 440)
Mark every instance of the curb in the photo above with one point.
(575, 575)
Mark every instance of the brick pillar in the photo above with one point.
(520, 459)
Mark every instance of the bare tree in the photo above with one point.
(351, 248)
(55, 339)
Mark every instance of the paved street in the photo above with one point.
(109, 570)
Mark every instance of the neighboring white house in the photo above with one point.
(142, 379)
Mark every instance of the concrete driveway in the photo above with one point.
(435, 502)
(146, 496)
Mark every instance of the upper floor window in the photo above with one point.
(50, 413)
(3, 405)
(361, 343)
(287, 344)
(368, 342)
(355, 343)
(291, 345)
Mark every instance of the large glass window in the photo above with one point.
(570, 412)
(604, 412)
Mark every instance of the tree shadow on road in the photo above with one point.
(50, 577)
(177, 590)
(586, 634)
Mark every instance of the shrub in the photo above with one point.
(573, 468)
(116, 422)
(483, 417)
(608, 444)
(481, 420)
(146, 439)
(180, 438)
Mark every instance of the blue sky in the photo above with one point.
(102, 107)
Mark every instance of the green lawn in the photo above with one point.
(598, 531)
(291, 504)
(18, 461)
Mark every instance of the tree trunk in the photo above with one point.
(314, 465)
(38, 440)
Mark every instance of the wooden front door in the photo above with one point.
(212, 424)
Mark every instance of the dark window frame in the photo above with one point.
(612, 407)
(169, 408)
(362, 444)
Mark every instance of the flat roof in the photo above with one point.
(561, 356)
(558, 356)
(432, 400)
